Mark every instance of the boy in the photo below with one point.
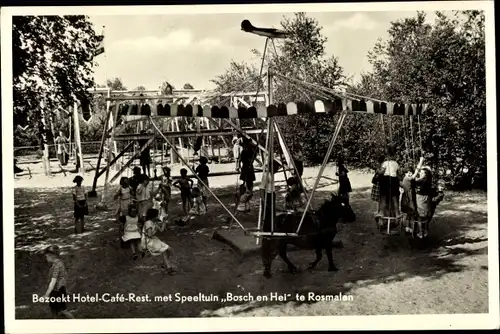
(184, 184)
(57, 283)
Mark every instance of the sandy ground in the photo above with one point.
(384, 275)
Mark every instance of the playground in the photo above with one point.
(384, 275)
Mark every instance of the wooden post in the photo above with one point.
(70, 145)
(93, 192)
(102, 204)
(79, 156)
(45, 156)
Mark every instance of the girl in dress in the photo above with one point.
(80, 204)
(150, 241)
(131, 232)
(144, 197)
(124, 198)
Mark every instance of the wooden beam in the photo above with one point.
(101, 150)
(184, 134)
(115, 159)
(131, 159)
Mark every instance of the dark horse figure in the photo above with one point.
(317, 232)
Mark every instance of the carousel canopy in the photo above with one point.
(133, 112)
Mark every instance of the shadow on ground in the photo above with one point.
(97, 264)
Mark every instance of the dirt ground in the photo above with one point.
(384, 275)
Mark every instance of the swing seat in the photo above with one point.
(389, 225)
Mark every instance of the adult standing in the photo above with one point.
(62, 149)
(245, 164)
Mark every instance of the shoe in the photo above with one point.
(135, 257)
(419, 234)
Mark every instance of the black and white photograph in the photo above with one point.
(194, 167)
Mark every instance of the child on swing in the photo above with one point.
(184, 184)
(389, 185)
(152, 244)
(197, 209)
(295, 198)
(131, 233)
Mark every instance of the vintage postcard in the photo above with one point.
(250, 167)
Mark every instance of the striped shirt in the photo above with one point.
(58, 272)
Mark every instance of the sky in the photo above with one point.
(145, 50)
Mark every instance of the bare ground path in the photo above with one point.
(384, 275)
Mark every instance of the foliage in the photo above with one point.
(52, 63)
(188, 86)
(448, 73)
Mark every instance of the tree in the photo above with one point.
(140, 88)
(188, 86)
(52, 63)
(448, 73)
(115, 84)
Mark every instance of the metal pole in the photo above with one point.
(263, 203)
(325, 161)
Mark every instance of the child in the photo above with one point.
(295, 198)
(243, 200)
(150, 241)
(57, 283)
(389, 185)
(202, 171)
(80, 204)
(184, 184)
(437, 197)
(144, 197)
(135, 180)
(165, 189)
(408, 201)
(344, 183)
(379, 171)
(423, 191)
(131, 233)
(124, 197)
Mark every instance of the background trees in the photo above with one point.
(52, 63)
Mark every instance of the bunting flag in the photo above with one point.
(135, 112)
(100, 46)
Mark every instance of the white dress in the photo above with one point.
(131, 229)
(152, 244)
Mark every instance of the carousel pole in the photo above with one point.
(271, 148)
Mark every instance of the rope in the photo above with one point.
(193, 172)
